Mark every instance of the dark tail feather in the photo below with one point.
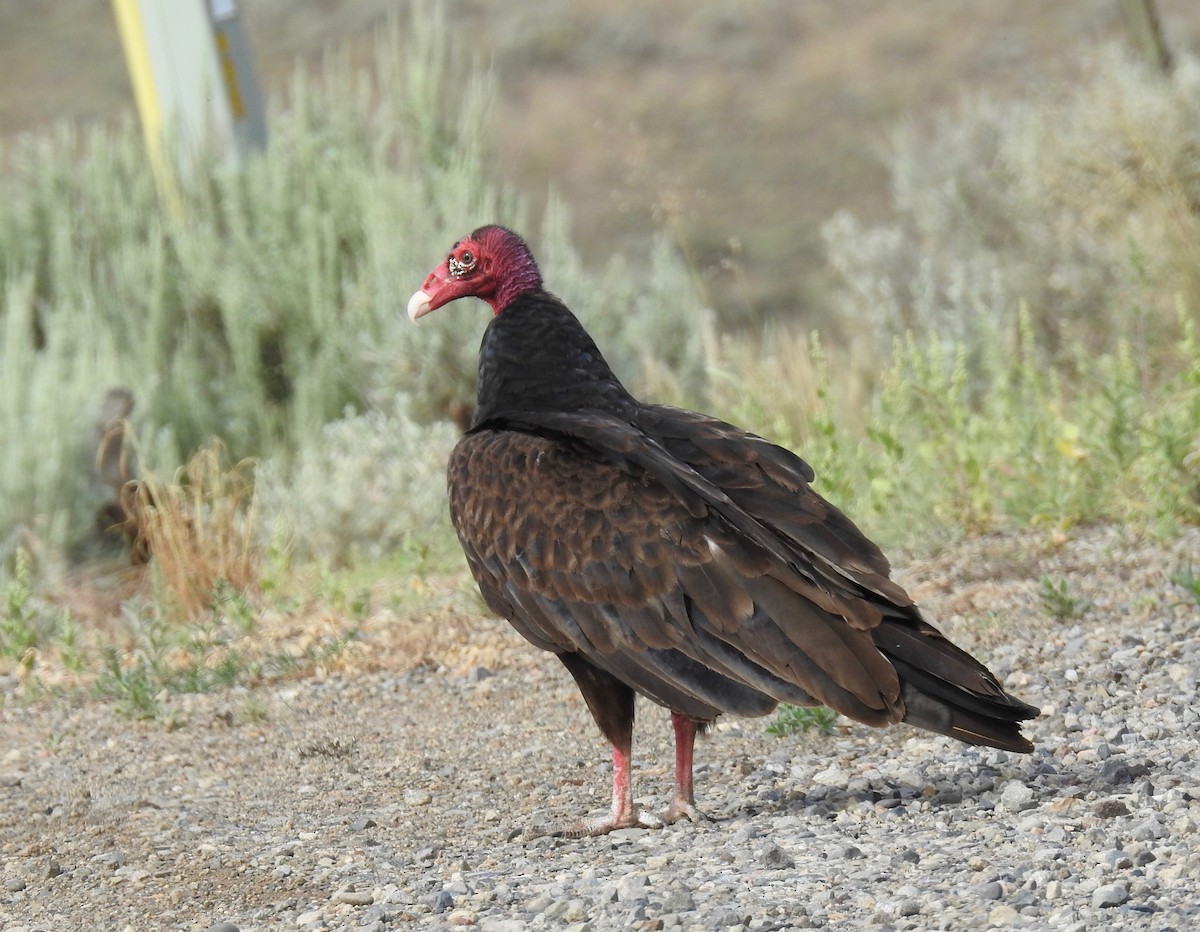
(936, 714)
(948, 691)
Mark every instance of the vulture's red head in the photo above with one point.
(493, 263)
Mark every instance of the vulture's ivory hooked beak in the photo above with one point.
(419, 305)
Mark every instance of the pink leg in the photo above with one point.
(624, 814)
(622, 793)
(683, 805)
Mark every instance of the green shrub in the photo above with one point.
(791, 719)
(1077, 202)
(31, 625)
(938, 453)
(369, 484)
(1188, 580)
(1028, 446)
(1039, 289)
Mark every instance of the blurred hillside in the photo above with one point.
(740, 127)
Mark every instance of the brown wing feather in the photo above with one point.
(585, 557)
(772, 483)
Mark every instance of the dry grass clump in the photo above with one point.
(200, 530)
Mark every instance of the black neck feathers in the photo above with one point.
(536, 356)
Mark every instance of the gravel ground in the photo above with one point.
(413, 798)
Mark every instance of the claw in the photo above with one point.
(611, 823)
(682, 809)
(624, 814)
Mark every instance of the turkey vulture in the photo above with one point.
(664, 552)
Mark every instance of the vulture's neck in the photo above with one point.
(536, 356)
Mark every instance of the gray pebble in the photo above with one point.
(632, 888)
(1003, 917)
(576, 910)
(776, 858)
(111, 859)
(1017, 796)
(1110, 808)
(908, 907)
(678, 901)
(1149, 830)
(744, 833)
(354, 898)
(1113, 894)
(989, 891)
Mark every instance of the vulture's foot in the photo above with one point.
(682, 809)
(633, 818)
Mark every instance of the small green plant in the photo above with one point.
(791, 719)
(70, 646)
(167, 658)
(18, 628)
(1187, 579)
(284, 663)
(133, 687)
(333, 748)
(231, 604)
(252, 711)
(199, 674)
(28, 623)
(360, 604)
(1059, 602)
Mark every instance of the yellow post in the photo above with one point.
(149, 106)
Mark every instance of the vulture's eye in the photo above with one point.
(461, 264)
